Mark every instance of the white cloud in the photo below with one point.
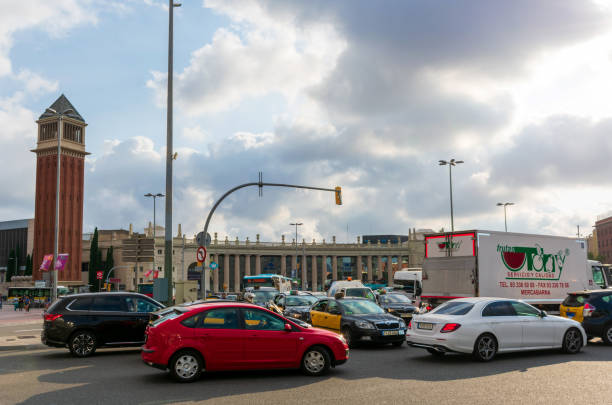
(257, 57)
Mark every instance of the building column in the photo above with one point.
(323, 272)
(334, 268)
(314, 273)
(358, 268)
(283, 265)
(379, 269)
(226, 272)
(215, 286)
(389, 271)
(293, 264)
(247, 265)
(369, 264)
(304, 273)
(236, 273)
(257, 264)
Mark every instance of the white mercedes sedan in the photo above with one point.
(487, 326)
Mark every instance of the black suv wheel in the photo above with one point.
(82, 343)
(606, 336)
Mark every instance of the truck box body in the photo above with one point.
(539, 269)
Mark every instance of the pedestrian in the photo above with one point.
(16, 304)
(26, 303)
(21, 303)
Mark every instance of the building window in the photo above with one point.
(141, 280)
(141, 269)
(159, 268)
(159, 251)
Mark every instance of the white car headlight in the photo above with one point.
(402, 324)
(364, 325)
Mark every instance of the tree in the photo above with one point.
(11, 261)
(109, 263)
(17, 257)
(28, 269)
(94, 254)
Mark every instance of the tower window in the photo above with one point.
(73, 133)
(48, 131)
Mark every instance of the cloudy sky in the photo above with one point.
(366, 95)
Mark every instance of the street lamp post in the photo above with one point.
(169, 156)
(60, 117)
(296, 224)
(154, 222)
(450, 164)
(505, 219)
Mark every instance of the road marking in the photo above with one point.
(28, 330)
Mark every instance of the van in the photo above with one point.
(351, 289)
(409, 281)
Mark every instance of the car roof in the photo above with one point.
(97, 294)
(219, 304)
(600, 291)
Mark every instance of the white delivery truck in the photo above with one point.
(538, 269)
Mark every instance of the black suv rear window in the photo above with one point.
(80, 304)
(575, 300)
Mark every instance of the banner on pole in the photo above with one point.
(46, 263)
(60, 263)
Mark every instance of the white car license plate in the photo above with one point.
(406, 315)
(425, 325)
(390, 332)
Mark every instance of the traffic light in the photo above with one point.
(338, 195)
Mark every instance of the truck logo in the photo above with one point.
(532, 263)
(449, 245)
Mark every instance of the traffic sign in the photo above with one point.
(201, 254)
(213, 265)
(203, 241)
(99, 275)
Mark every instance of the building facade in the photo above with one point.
(15, 236)
(71, 189)
(314, 263)
(603, 227)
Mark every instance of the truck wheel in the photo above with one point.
(607, 335)
(485, 347)
(572, 341)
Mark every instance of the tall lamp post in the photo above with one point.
(60, 117)
(505, 218)
(154, 222)
(450, 164)
(296, 224)
(169, 156)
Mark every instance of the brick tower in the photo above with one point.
(71, 189)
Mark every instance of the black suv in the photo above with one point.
(84, 322)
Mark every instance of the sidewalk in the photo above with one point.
(8, 316)
(20, 329)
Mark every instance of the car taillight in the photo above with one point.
(409, 324)
(51, 317)
(450, 327)
(588, 310)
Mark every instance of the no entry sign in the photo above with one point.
(201, 254)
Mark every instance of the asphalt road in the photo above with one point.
(34, 374)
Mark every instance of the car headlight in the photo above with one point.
(364, 325)
(402, 324)
(342, 339)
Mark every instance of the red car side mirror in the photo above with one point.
(288, 328)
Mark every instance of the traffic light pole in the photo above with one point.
(260, 184)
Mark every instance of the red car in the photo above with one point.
(237, 336)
